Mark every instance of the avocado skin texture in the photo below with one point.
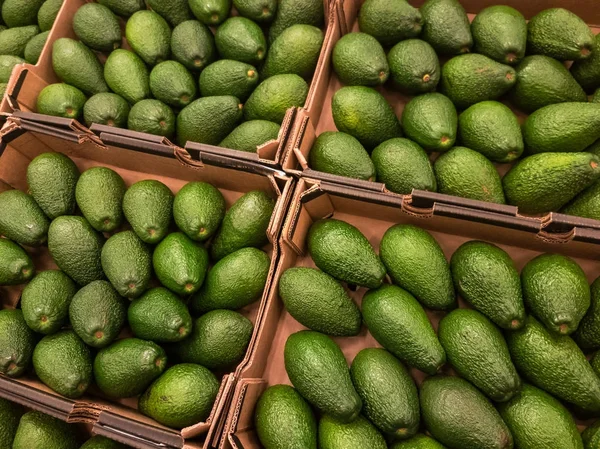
(291, 12)
(399, 323)
(182, 396)
(446, 27)
(34, 47)
(586, 204)
(235, 281)
(52, 178)
(152, 117)
(14, 40)
(554, 363)
(390, 21)
(193, 45)
(556, 292)
(17, 343)
(431, 121)
(218, 342)
(343, 252)
(99, 194)
(7, 64)
(39, 431)
(261, 11)
(47, 13)
(536, 420)
(61, 100)
(174, 11)
(125, 8)
(48, 296)
(208, 120)
(242, 40)
(560, 34)
(198, 209)
(173, 84)
(365, 114)
(354, 435)
(100, 442)
(500, 33)
(16, 267)
(245, 225)
(471, 78)
(149, 36)
(22, 220)
(250, 135)
(416, 263)
(77, 65)
(459, 416)
(587, 71)
(492, 129)
(419, 441)
(127, 75)
(19, 13)
(64, 363)
(341, 154)
(106, 109)
(319, 302)
(591, 436)
(97, 27)
(126, 368)
(283, 419)
(587, 335)
(210, 12)
(147, 206)
(486, 277)
(359, 60)
(274, 96)
(389, 394)
(545, 182)
(414, 66)
(477, 350)
(228, 77)
(296, 50)
(318, 370)
(402, 165)
(11, 414)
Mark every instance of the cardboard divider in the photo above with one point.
(21, 140)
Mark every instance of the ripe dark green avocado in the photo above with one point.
(446, 27)
(152, 117)
(39, 431)
(587, 71)
(241, 39)
(106, 109)
(173, 84)
(587, 335)
(17, 343)
(431, 121)
(354, 435)
(16, 267)
(210, 13)
(193, 45)
(414, 66)
(99, 194)
(359, 60)
(390, 21)
(261, 11)
(22, 220)
(500, 33)
(341, 154)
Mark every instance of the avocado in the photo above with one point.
(554, 363)
(228, 77)
(19, 13)
(180, 264)
(210, 12)
(14, 40)
(100, 442)
(16, 267)
(359, 60)
(152, 117)
(500, 33)
(10, 414)
(45, 301)
(416, 262)
(99, 193)
(318, 370)
(147, 206)
(149, 36)
(390, 21)
(319, 302)
(171, 83)
(250, 135)
(22, 220)
(341, 154)
(39, 431)
(124, 8)
(431, 121)
(389, 394)
(595, 362)
(245, 224)
(7, 64)
(97, 27)
(296, 50)
(241, 39)
(292, 12)
(181, 397)
(283, 419)
(399, 323)
(342, 251)
(64, 363)
(556, 292)
(591, 436)
(61, 100)
(235, 281)
(471, 78)
(586, 204)
(17, 343)
(219, 340)
(274, 96)
(261, 11)
(127, 75)
(126, 368)
(536, 419)
(419, 441)
(77, 65)
(160, 316)
(208, 120)
(459, 416)
(587, 335)
(357, 434)
(560, 34)
(174, 11)
(48, 11)
(402, 166)
(414, 66)
(545, 182)
(587, 71)
(446, 27)
(193, 45)
(365, 114)
(198, 209)
(34, 47)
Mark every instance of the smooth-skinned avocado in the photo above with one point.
(99, 194)
(357, 434)
(261, 11)
(152, 117)
(173, 84)
(241, 39)
(587, 335)
(290, 12)
(77, 65)
(359, 60)
(228, 77)
(148, 206)
(149, 36)
(106, 109)
(341, 154)
(198, 210)
(251, 135)
(390, 21)
(414, 66)
(211, 12)
(17, 342)
(500, 33)
(431, 121)
(22, 220)
(127, 75)
(193, 45)
(61, 100)
(16, 266)
(274, 96)
(97, 27)
(446, 27)
(39, 431)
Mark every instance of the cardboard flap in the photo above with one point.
(201, 151)
(241, 417)
(424, 199)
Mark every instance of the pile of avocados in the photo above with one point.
(505, 369)
(133, 289)
(453, 130)
(188, 70)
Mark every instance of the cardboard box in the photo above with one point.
(373, 213)
(21, 139)
(27, 81)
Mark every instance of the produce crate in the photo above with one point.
(373, 213)
(27, 82)
(24, 137)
